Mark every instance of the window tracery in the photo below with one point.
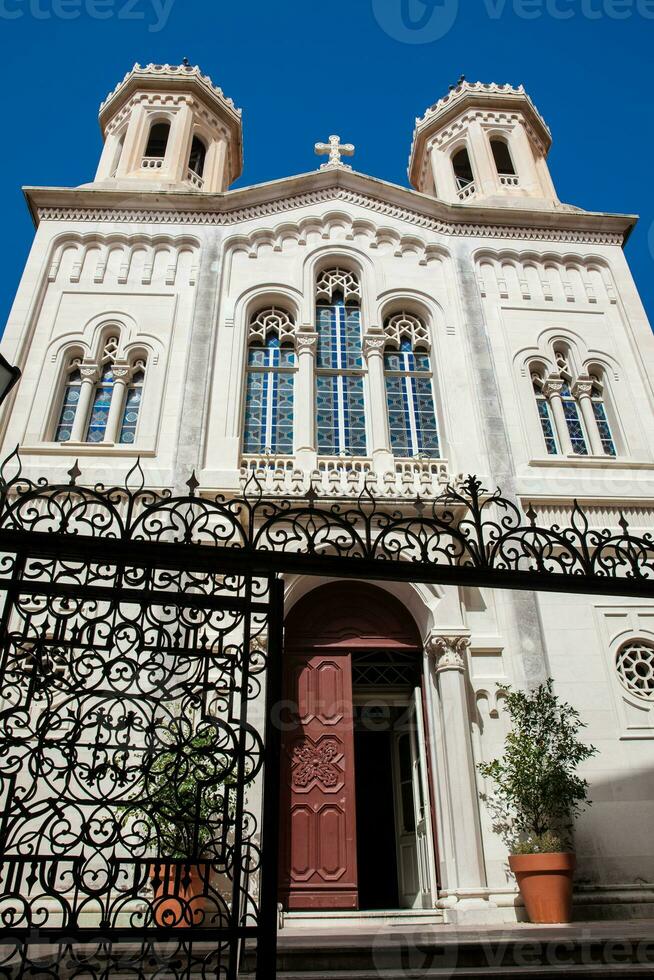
(409, 393)
(340, 403)
(270, 371)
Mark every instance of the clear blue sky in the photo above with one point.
(302, 69)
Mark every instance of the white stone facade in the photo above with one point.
(506, 281)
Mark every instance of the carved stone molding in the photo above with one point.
(553, 385)
(448, 650)
(293, 202)
(582, 387)
(373, 343)
(306, 341)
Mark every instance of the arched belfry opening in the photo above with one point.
(355, 821)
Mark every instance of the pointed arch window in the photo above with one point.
(409, 390)
(271, 362)
(340, 403)
(70, 402)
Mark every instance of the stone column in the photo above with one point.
(524, 162)
(374, 342)
(304, 400)
(215, 166)
(448, 651)
(179, 144)
(441, 165)
(483, 163)
(90, 376)
(582, 391)
(109, 159)
(121, 374)
(134, 147)
(552, 391)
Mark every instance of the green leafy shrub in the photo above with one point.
(537, 790)
(186, 800)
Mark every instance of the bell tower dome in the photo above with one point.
(483, 144)
(168, 127)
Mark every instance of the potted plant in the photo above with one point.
(537, 794)
(183, 812)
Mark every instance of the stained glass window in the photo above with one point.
(573, 421)
(101, 405)
(269, 396)
(69, 405)
(132, 407)
(410, 402)
(340, 404)
(545, 416)
(604, 428)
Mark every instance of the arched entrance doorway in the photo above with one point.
(355, 821)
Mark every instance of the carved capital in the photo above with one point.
(121, 372)
(89, 372)
(373, 343)
(448, 650)
(553, 385)
(306, 342)
(583, 387)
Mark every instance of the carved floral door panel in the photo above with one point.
(318, 867)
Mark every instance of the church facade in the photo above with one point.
(335, 331)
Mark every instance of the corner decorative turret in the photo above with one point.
(168, 127)
(483, 145)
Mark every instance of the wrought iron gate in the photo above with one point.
(140, 667)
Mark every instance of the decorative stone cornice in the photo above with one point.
(448, 650)
(163, 75)
(224, 215)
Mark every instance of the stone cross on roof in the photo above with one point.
(334, 148)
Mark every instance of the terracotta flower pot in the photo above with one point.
(545, 882)
(181, 896)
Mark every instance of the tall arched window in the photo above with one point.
(572, 408)
(409, 392)
(158, 140)
(463, 172)
(72, 387)
(340, 407)
(601, 415)
(132, 405)
(268, 424)
(197, 156)
(544, 410)
(103, 392)
(503, 160)
(574, 421)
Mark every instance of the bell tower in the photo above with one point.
(168, 127)
(486, 145)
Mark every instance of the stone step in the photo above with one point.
(420, 953)
(584, 972)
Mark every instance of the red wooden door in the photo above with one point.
(317, 821)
